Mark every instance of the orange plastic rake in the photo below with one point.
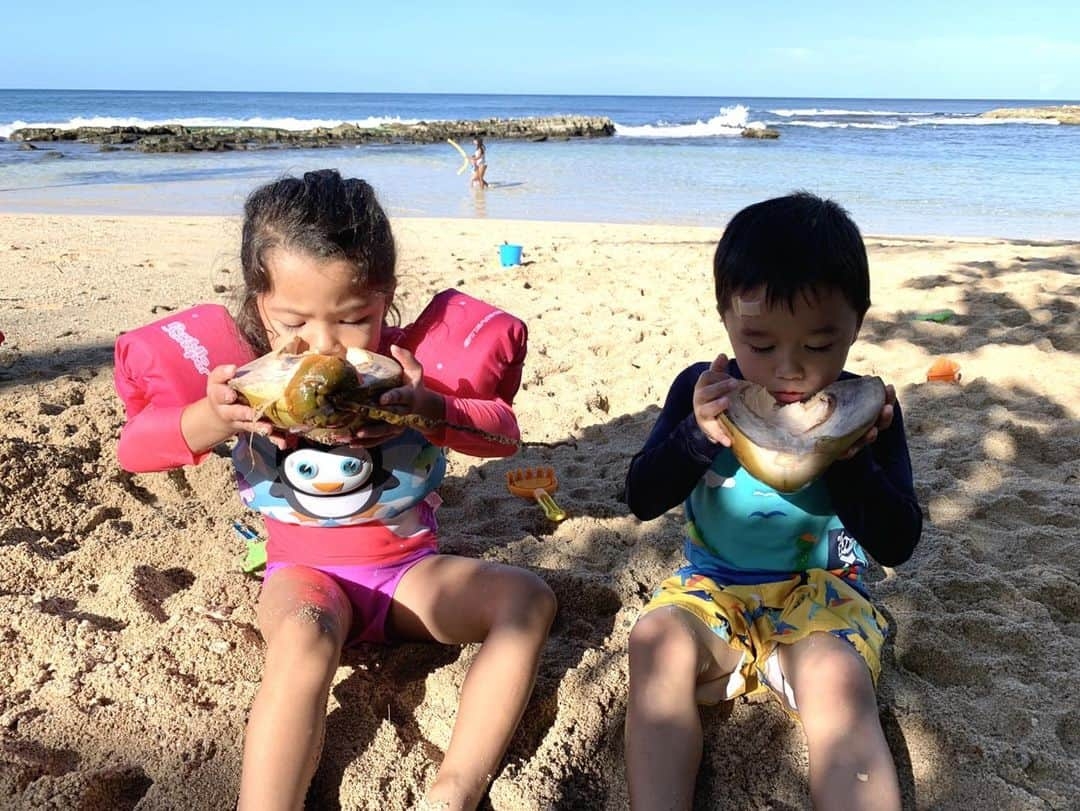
(536, 483)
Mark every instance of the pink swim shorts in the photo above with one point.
(370, 590)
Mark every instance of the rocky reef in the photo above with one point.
(1064, 114)
(177, 138)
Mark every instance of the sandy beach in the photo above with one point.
(130, 654)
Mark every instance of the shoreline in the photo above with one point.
(926, 237)
(126, 617)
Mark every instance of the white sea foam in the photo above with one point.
(276, 123)
(814, 111)
(730, 121)
(841, 125)
(941, 121)
(975, 121)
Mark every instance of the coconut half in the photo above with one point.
(311, 391)
(788, 446)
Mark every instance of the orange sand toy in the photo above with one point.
(537, 483)
(944, 370)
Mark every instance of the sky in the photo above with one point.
(917, 49)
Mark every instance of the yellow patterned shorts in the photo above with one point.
(755, 619)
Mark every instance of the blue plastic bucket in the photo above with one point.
(510, 255)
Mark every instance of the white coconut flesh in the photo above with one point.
(775, 425)
(788, 445)
(375, 371)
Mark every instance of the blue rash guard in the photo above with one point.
(743, 531)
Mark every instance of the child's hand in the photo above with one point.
(412, 397)
(234, 416)
(884, 420)
(711, 397)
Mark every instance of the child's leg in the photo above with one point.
(851, 766)
(457, 600)
(674, 660)
(304, 617)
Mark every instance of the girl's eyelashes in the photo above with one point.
(346, 322)
(286, 326)
(824, 348)
(760, 348)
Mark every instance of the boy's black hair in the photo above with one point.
(792, 245)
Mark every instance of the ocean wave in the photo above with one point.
(940, 121)
(975, 121)
(730, 121)
(814, 111)
(273, 123)
(840, 125)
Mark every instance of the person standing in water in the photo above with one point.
(479, 163)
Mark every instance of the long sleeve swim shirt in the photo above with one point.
(740, 530)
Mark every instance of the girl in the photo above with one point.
(318, 261)
(479, 162)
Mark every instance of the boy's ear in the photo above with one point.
(858, 326)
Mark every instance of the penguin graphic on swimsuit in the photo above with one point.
(331, 482)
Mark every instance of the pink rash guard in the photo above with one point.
(472, 354)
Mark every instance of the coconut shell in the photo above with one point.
(788, 446)
(308, 391)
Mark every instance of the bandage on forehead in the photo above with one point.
(744, 307)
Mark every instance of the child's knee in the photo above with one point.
(302, 655)
(832, 671)
(530, 601)
(541, 600)
(661, 636)
(307, 632)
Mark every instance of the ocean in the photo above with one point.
(900, 166)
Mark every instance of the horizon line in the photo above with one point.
(533, 94)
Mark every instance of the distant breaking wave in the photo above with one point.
(272, 123)
(730, 121)
(843, 125)
(812, 111)
(941, 121)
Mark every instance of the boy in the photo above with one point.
(772, 594)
